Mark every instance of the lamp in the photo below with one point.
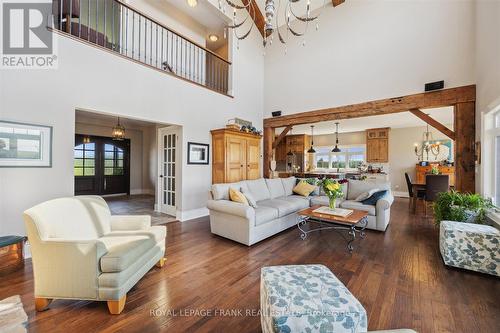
(86, 139)
(336, 149)
(192, 3)
(311, 150)
(118, 131)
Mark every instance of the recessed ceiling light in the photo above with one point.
(213, 37)
(192, 3)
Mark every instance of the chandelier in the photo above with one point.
(428, 146)
(273, 22)
(118, 131)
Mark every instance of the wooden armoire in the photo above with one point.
(235, 156)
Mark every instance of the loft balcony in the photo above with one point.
(127, 32)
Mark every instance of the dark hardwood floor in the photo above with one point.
(398, 276)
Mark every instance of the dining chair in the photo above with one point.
(419, 195)
(435, 184)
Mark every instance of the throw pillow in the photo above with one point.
(237, 196)
(366, 195)
(251, 200)
(374, 198)
(311, 181)
(303, 188)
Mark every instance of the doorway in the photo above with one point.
(168, 150)
(101, 165)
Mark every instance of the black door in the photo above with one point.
(101, 165)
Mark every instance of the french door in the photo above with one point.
(101, 165)
(167, 173)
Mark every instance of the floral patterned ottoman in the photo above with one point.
(307, 298)
(470, 246)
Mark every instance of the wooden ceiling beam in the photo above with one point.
(259, 18)
(281, 136)
(335, 3)
(433, 99)
(434, 123)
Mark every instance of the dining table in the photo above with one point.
(420, 187)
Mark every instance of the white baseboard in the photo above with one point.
(400, 194)
(136, 191)
(192, 214)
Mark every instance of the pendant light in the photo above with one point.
(336, 149)
(118, 131)
(311, 150)
(290, 153)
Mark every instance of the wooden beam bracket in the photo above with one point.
(434, 123)
(281, 136)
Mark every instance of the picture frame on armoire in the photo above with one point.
(25, 145)
(198, 153)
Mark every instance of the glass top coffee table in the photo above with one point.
(356, 222)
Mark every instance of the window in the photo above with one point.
(113, 160)
(348, 158)
(490, 163)
(85, 159)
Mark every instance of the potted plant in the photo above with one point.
(333, 190)
(461, 207)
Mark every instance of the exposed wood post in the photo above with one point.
(465, 127)
(268, 150)
(281, 136)
(434, 123)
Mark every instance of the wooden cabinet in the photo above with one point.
(377, 145)
(235, 156)
(421, 171)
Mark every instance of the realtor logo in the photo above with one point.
(26, 41)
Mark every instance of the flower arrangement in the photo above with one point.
(333, 190)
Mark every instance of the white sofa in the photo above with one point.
(277, 206)
(82, 252)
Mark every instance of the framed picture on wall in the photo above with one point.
(25, 145)
(198, 153)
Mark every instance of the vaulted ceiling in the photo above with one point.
(259, 17)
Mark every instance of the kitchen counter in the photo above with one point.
(336, 175)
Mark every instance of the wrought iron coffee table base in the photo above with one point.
(338, 227)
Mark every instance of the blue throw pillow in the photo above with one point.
(374, 198)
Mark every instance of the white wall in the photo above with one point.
(91, 79)
(172, 17)
(487, 75)
(371, 49)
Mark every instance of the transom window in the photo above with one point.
(348, 158)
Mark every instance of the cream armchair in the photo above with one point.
(82, 252)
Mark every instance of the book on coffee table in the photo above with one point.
(336, 212)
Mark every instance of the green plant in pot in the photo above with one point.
(461, 207)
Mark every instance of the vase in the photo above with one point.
(332, 203)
